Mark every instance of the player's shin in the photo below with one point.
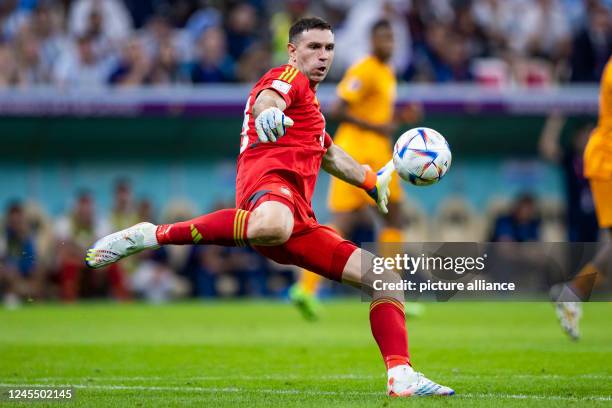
(226, 227)
(388, 324)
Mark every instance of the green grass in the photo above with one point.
(264, 354)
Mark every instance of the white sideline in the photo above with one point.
(309, 378)
(299, 392)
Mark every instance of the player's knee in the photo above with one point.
(274, 234)
(270, 225)
(380, 284)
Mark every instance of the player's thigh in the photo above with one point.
(320, 250)
(272, 216)
(602, 197)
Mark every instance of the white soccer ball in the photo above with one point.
(421, 156)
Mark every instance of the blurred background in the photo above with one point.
(117, 111)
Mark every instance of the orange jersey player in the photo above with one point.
(598, 169)
(282, 148)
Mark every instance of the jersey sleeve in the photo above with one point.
(354, 85)
(283, 81)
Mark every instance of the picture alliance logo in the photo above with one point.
(427, 263)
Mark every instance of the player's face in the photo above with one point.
(313, 53)
(382, 43)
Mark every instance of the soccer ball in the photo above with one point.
(421, 156)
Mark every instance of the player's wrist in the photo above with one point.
(369, 182)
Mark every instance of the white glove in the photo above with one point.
(271, 124)
(380, 193)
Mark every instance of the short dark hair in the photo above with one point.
(305, 24)
(382, 23)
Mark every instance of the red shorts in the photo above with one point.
(311, 246)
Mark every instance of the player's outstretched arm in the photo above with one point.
(340, 164)
(270, 121)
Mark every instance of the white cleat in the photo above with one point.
(403, 381)
(569, 314)
(113, 247)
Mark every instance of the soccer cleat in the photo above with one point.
(126, 242)
(568, 308)
(403, 381)
(306, 303)
(569, 314)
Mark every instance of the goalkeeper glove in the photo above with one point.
(271, 124)
(377, 185)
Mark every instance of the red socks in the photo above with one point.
(224, 227)
(388, 323)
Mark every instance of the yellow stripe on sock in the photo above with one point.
(236, 224)
(394, 302)
(195, 234)
(241, 228)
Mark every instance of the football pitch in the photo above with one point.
(255, 353)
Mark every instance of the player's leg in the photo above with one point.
(568, 296)
(271, 223)
(387, 321)
(323, 251)
(347, 205)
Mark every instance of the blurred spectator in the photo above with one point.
(45, 24)
(542, 30)
(352, 42)
(31, 69)
(20, 273)
(8, 66)
(123, 213)
(80, 67)
(466, 27)
(112, 15)
(581, 221)
(104, 46)
(592, 46)
(443, 58)
(12, 19)
(166, 66)
(497, 18)
(241, 29)
(134, 67)
(75, 231)
(280, 22)
(158, 31)
(153, 279)
(202, 20)
(521, 225)
(254, 63)
(213, 64)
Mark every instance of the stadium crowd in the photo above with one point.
(95, 43)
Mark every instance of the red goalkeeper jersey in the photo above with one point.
(295, 157)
